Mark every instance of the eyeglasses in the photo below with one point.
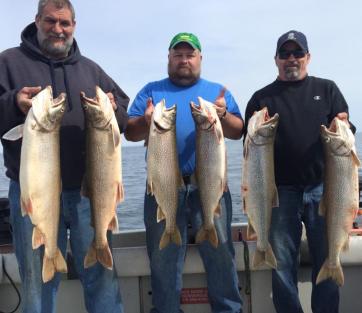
(285, 54)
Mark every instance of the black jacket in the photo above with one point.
(303, 106)
(26, 66)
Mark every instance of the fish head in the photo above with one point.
(204, 114)
(47, 111)
(163, 118)
(262, 125)
(98, 110)
(338, 138)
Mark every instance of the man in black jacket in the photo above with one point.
(49, 55)
(303, 103)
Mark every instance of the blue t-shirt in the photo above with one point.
(185, 126)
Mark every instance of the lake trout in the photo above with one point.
(40, 178)
(340, 200)
(163, 174)
(210, 167)
(102, 182)
(259, 191)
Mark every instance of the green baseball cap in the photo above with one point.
(189, 38)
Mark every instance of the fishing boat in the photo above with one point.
(131, 262)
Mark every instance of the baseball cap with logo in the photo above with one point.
(189, 38)
(293, 35)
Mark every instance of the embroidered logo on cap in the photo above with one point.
(317, 98)
(291, 36)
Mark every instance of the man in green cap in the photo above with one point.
(182, 86)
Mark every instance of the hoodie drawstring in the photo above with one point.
(66, 83)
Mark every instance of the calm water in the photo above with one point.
(130, 212)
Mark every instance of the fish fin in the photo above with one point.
(91, 256)
(259, 258)
(14, 133)
(52, 265)
(120, 192)
(345, 246)
(322, 208)
(275, 201)
(355, 158)
(160, 215)
(264, 257)
(208, 234)
(335, 273)
(270, 257)
(116, 137)
(174, 237)
(218, 134)
(59, 262)
(149, 188)
(48, 269)
(250, 232)
(26, 207)
(113, 225)
(104, 256)
(37, 238)
(217, 211)
(181, 183)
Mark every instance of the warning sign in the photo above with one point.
(194, 296)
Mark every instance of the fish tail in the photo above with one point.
(52, 265)
(167, 237)
(207, 234)
(335, 273)
(265, 257)
(102, 255)
(91, 256)
(259, 258)
(270, 257)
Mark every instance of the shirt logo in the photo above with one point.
(317, 98)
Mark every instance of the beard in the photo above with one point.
(292, 71)
(55, 50)
(183, 76)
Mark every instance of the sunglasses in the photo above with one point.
(285, 54)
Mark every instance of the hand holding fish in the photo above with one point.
(24, 97)
(113, 102)
(220, 104)
(343, 116)
(149, 111)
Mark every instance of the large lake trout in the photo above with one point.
(340, 200)
(102, 183)
(210, 166)
(40, 179)
(259, 191)
(163, 174)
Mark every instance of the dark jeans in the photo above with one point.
(299, 204)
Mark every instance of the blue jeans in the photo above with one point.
(167, 264)
(100, 286)
(299, 204)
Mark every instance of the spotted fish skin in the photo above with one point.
(259, 191)
(340, 200)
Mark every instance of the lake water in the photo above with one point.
(130, 212)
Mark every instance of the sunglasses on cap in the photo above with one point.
(285, 54)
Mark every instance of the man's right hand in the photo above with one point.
(24, 97)
(149, 111)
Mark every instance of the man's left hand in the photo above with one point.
(220, 103)
(111, 98)
(343, 116)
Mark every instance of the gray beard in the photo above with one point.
(52, 51)
(292, 74)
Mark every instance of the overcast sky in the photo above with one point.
(129, 39)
